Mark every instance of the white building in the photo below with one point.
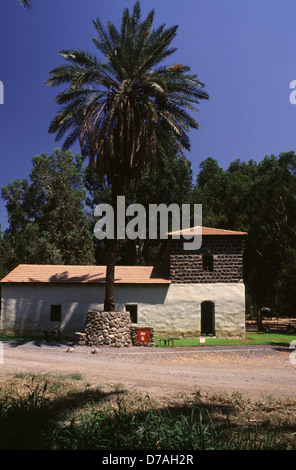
(196, 292)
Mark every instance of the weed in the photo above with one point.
(41, 412)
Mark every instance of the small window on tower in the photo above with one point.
(55, 313)
(133, 310)
(207, 263)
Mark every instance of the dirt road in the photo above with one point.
(256, 372)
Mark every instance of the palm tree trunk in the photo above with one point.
(109, 303)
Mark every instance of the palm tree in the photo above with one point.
(123, 109)
(25, 3)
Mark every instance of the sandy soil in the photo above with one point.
(256, 372)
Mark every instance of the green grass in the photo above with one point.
(21, 339)
(27, 375)
(255, 338)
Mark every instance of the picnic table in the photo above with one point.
(166, 341)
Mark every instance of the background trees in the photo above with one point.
(260, 199)
(51, 216)
(171, 182)
(48, 222)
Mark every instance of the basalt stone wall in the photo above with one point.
(106, 329)
(113, 329)
(227, 261)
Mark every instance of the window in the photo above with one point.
(207, 263)
(133, 310)
(55, 313)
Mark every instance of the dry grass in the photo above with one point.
(66, 412)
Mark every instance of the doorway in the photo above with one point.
(208, 318)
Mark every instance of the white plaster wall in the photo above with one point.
(178, 310)
(26, 308)
(173, 309)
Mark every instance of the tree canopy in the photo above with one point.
(125, 105)
(47, 219)
(259, 198)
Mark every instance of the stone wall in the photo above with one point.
(106, 329)
(146, 340)
(187, 266)
(112, 329)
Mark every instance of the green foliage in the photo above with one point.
(23, 417)
(124, 105)
(260, 199)
(170, 183)
(48, 222)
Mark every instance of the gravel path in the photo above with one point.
(256, 372)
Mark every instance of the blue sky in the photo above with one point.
(242, 50)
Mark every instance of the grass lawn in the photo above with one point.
(254, 338)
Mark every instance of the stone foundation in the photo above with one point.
(113, 329)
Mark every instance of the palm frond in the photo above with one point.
(124, 107)
(26, 4)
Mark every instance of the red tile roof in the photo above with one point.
(207, 231)
(31, 273)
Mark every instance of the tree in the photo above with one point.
(171, 183)
(122, 109)
(273, 233)
(209, 191)
(6, 256)
(48, 221)
(26, 4)
(259, 198)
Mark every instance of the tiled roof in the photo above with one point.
(31, 273)
(207, 231)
